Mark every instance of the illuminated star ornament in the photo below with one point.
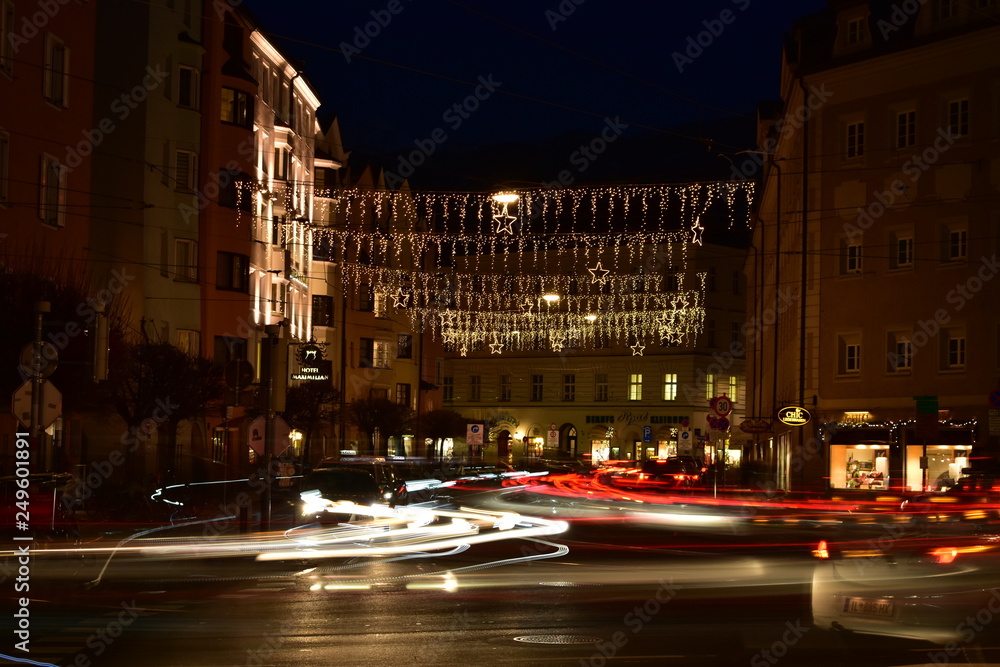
(402, 299)
(599, 273)
(495, 348)
(502, 217)
(637, 349)
(696, 231)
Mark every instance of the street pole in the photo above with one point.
(41, 307)
(267, 359)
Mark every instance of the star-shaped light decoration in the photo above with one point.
(696, 231)
(637, 349)
(463, 350)
(502, 217)
(599, 273)
(527, 307)
(402, 299)
(496, 348)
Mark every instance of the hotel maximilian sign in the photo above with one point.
(312, 365)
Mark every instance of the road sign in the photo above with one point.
(995, 399)
(553, 439)
(51, 403)
(43, 364)
(722, 405)
(474, 434)
(685, 442)
(255, 435)
(647, 434)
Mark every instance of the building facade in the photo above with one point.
(875, 249)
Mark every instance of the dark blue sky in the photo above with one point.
(554, 71)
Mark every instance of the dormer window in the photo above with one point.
(855, 31)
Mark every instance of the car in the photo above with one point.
(323, 488)
(901, 578)
(669, 474)
(41, 506)
(390, 475)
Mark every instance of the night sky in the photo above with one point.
(551, 75)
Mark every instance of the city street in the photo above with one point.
(616, 595)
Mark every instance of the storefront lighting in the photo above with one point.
(551, 297)
(861, 446)
(590, 318)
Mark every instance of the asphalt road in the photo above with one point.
(596, 595)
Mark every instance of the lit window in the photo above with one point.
(237, 107)
(381, 356)
(734, 389)
(188, 341)
(670, 387)
(635, 387)
(709, 386)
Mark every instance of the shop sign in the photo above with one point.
(756, 426)
(794, 416)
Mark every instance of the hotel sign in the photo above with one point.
(312, 365)
(794, 416)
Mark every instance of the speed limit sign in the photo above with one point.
(722, 405)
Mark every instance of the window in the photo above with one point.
(52, 192)
(237, 107)
(849, 355)
(403, 393)
(734, 389)
(189, 342)
(947, 9)
(4, 165)
(381, 351)
(232, 272)
(537, 387)
(235, 190)
(475, 387)
(735, 335)
(366, 353)
(855, 139)
(710, 333)
(448, 386)
(709, 386)
(954, 349)
(504, 388)
(855, 31)
(265, 84)
(186, 260)
(670, 386)
(186, 170)
(404, 346)
(219, 449)
(6, 37)
(957, 244)
(229, 348)
(635, 387)
(188, 86)
(958, 118)
(55, 78)
(282, 163)
(902, 250)
(378, 392)
(381, 305)
(322, 310)
(851, 257)
(900, 353)
(569, 388)
(366, 298)
(601, 387)
(906, 129)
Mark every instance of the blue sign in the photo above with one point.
(647, 433)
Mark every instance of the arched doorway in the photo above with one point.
(503, 445)
(567, 440)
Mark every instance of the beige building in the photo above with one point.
(874, 254)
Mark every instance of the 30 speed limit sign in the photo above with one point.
(722, 405)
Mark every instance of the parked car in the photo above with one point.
(323, 488)
(909, 581)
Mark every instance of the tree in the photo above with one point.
(156, 386)
(439, 425)
(309, 406)
(378, 415)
